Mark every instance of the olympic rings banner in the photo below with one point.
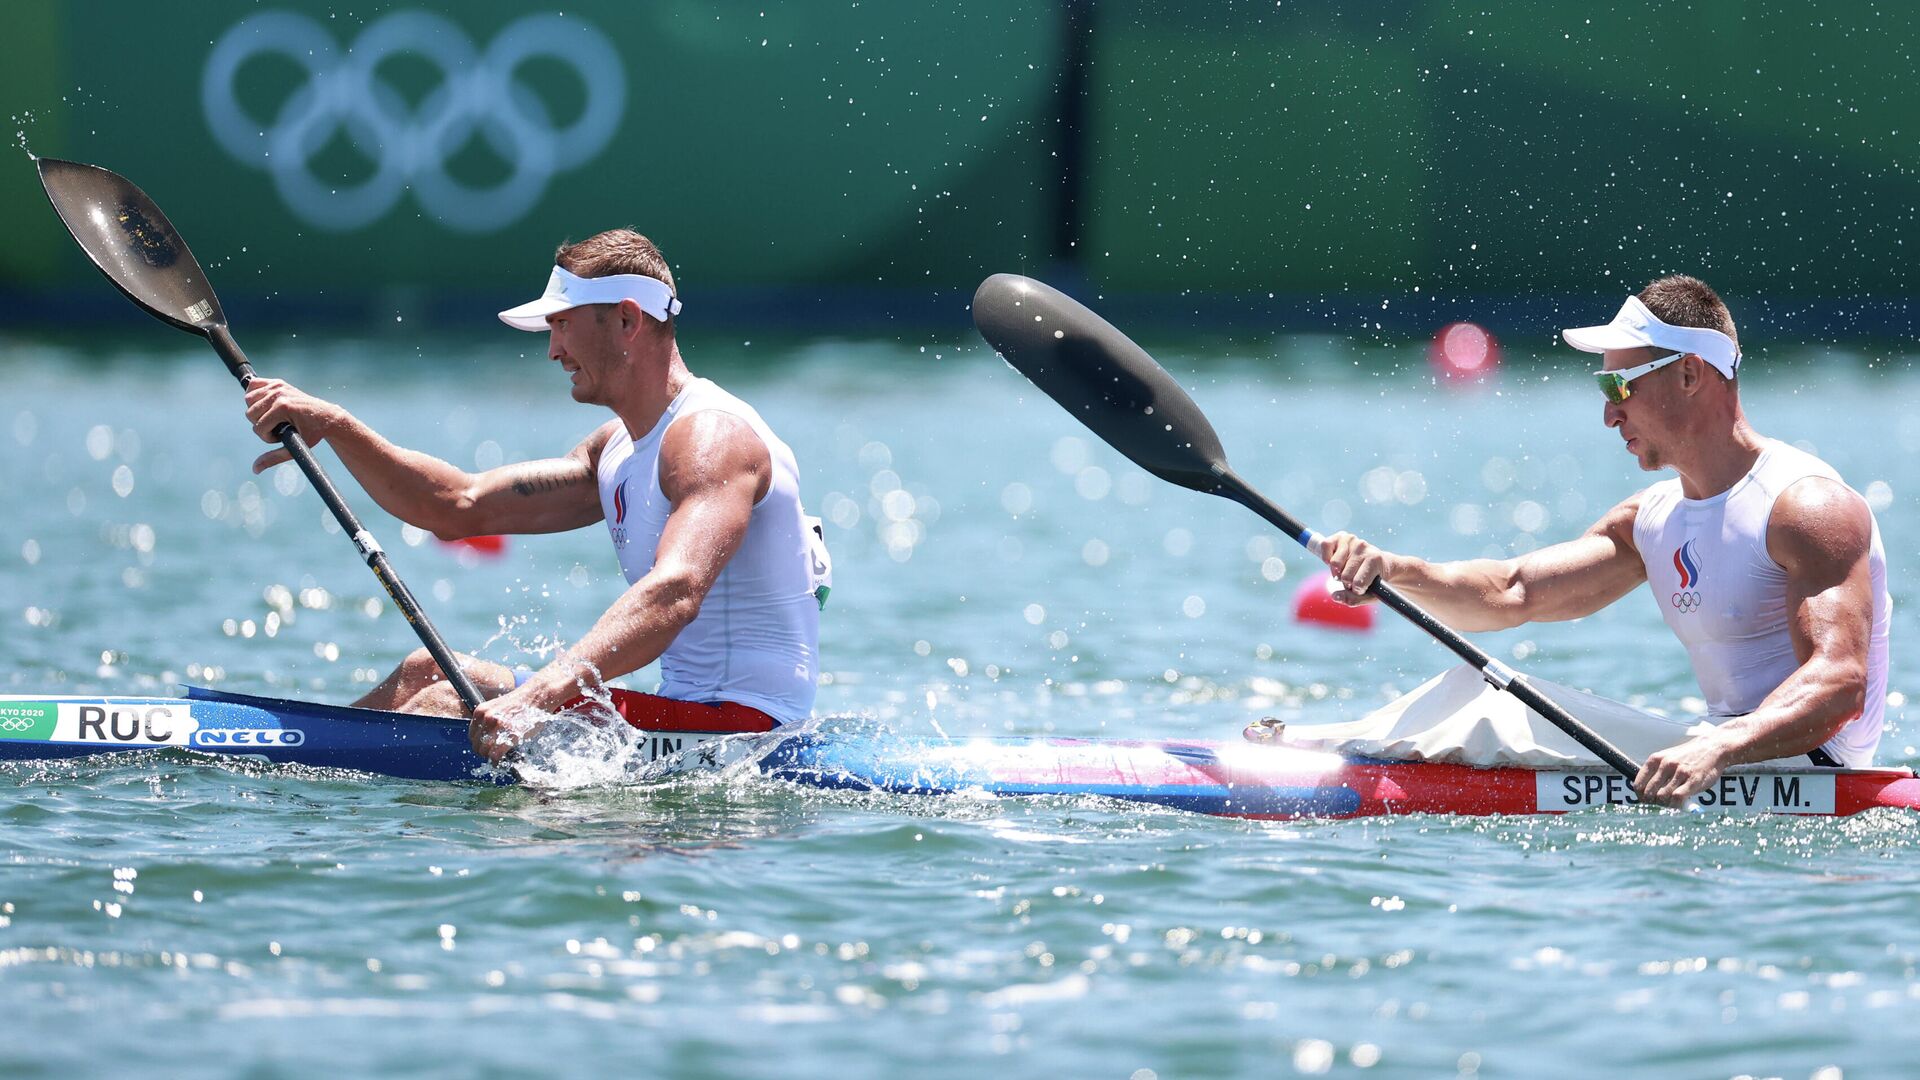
(426, 148)
(436, 149)
(477, 93)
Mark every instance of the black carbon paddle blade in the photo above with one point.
(1101, 377)
(132, 243)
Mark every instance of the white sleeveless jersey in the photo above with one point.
(1726, 599)
(756, 639)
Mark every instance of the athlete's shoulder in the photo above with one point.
(1650, 504)
(720, 415)
(600, 436)
(1819, 518)
(706, 431)
(1619, 522)
(595, 444)
(711, 448)
(1815, 495)
(1805, 488)
(705, 395)
(1784, 463)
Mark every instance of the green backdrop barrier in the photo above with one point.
(758, 143)
(1228, 148)
(1505, 148)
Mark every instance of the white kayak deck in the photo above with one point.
(1457, 718)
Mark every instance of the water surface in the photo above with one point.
(997, 570)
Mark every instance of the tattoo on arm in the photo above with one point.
(538, 477)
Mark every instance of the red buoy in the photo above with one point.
(489, 546)
(1463, 351)
(1313, 602)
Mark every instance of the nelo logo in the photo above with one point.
(249, 737)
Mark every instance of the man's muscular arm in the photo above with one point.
(550, 495)
(1821, 534)
(1556, 583)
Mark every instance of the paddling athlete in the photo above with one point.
(1764, 563)
(700, 498)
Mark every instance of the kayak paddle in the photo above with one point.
(1113, 387)
(138, 249)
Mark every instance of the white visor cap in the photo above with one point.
(568, 290)
(1636, 327)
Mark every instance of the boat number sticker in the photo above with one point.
(1740, 793)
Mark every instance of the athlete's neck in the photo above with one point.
(655, 386)
(1717, 460)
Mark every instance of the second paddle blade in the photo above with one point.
(132, 242)
(1100, 376)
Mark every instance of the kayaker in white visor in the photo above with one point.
(701, 501)
(1763, 562)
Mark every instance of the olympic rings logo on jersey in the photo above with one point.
(16, 723)
(1686, 601)
(411, 145)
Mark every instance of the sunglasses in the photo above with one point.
(1614, 383)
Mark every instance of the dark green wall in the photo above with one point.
(1230, 147)
(759, 143)
(1507, 148)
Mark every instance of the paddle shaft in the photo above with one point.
(1496, 673)
(377, 560)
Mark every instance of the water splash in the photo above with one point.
(25, 120)
(591, 745)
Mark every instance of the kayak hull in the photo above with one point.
(1232, 778)
(1246, 780)
(216, 722)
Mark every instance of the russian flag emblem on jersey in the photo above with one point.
(1687, 565)
(620, 504)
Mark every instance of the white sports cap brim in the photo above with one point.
(1635, 327)
(567, 290)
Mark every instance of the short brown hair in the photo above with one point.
(616, 251)
(1680, 300)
